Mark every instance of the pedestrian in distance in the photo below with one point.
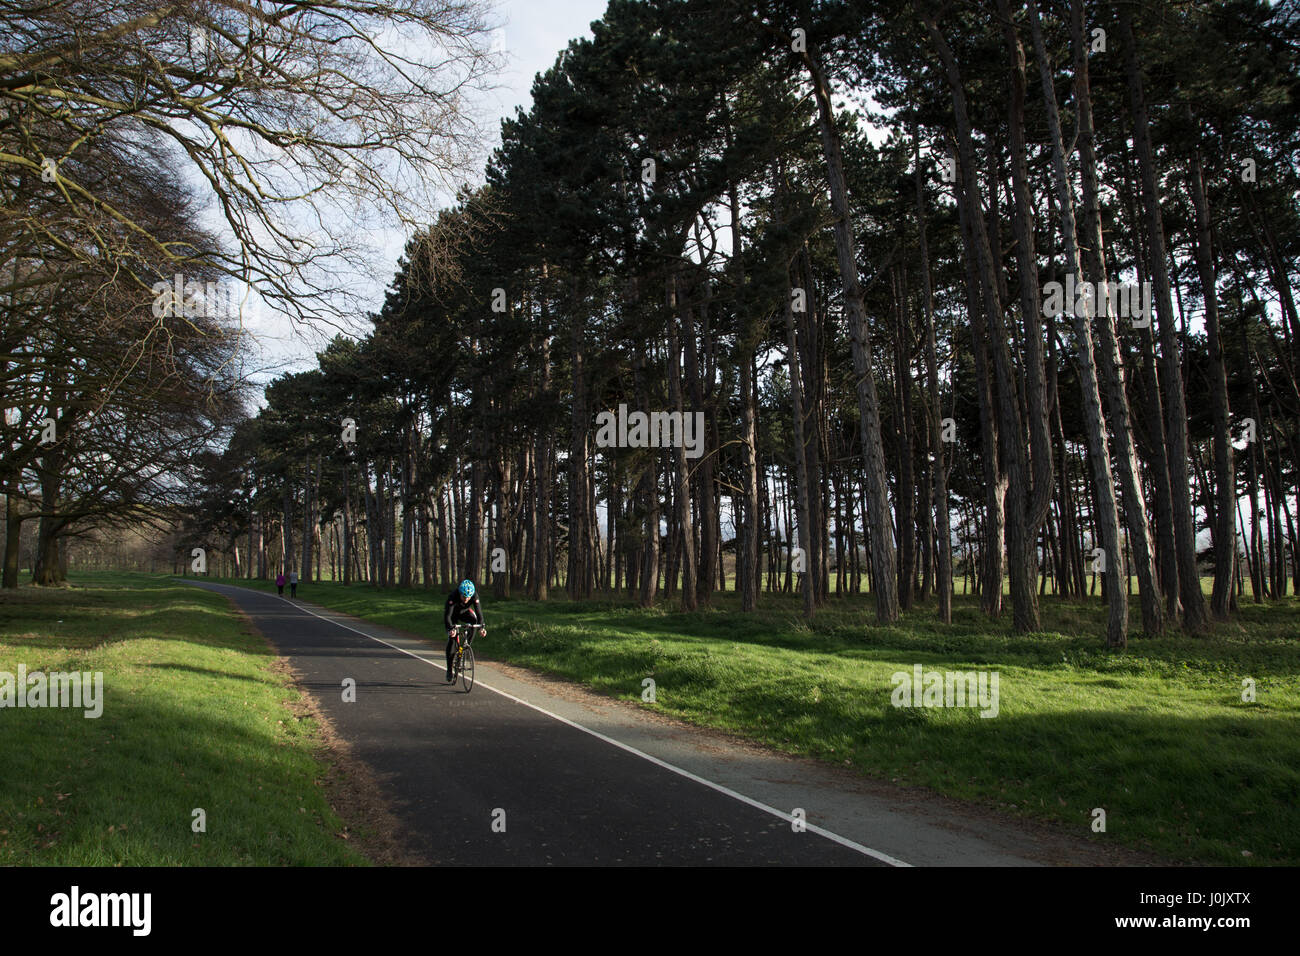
(279, 583)
(293, 584)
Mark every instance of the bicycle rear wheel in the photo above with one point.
(467, 669)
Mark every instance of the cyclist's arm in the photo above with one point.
(446, 614)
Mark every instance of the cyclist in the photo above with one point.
(462, 608)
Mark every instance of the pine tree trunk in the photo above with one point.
(812, 378)
(1189, 582)
(579, 585)
(1107, 514)
(649, 490)
(347, 523)
(542, 488)
(906, 497)
(938, 470)
(1111, 364)
(806, 582)
(682, 490)
(307, 522)
(1037, 474)
(1224, 535)
(873, 455)
(287, 530)
(703, 485)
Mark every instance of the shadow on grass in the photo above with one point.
(1209, 788)
(131, 780)
(206, 672)
(81, 618)
(835, 633)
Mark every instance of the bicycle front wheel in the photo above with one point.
(467, 669)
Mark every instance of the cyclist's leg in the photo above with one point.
(451, 649)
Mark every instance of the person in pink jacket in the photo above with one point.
(279, 583)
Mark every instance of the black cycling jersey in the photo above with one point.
(457, 613)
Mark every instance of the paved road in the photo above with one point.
(454, 761)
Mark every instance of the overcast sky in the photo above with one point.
(532, 35)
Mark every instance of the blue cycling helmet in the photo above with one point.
(466, 589)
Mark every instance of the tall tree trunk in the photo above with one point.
(1037, 479)
(983, 305)
(1151, 420)
(1225, 538)
(649, 566)
(682, 491)
(1189, 581)
(812, 378)
(747, 539)
(1112, 364)
(542, 487)
(408, 511)
(938, 470)
(287, 529)
(579, 577)
(446, 549)
(749, 523)
(307, 520)
(1107, 514)
(347, 521)
(703, 485)
(251, 548)
(906, 497)
(13, 534)
(806, 581)
(873, 455)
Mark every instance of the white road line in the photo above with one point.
(750, 801)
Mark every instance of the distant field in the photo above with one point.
(192, 719)
(1157, 736)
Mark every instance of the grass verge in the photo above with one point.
(194, 718)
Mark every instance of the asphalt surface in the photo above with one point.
(484, 779)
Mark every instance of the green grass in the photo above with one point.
(1157, 735)
(192, 718)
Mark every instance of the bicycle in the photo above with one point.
(463, 662)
